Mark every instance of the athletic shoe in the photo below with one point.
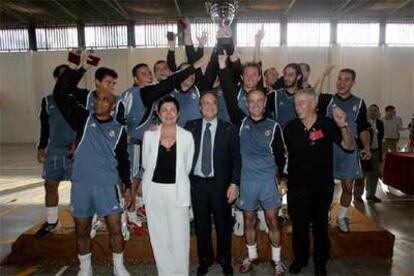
(374, 199)
(343, 224)
(279, 268)
(136, 227)
(85, 272)
(247, 265)
(47, 228)
(121, 271)
(296, 267)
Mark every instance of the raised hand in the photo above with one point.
(202, 40)
(339, 117)
(201, 61)
(260, 35)
(327, 69)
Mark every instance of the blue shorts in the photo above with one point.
(57, 167)
(254, 193)
(346, 165)
(134, 153)
(87, 199)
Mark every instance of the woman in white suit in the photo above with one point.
(167, 159)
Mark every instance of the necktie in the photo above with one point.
(206, 157)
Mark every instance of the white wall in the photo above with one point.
(384, 76)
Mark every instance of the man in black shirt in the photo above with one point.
(309, 141)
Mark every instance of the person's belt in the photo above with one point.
(204, 178)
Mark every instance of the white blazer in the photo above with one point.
(184, 162)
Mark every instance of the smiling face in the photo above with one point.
(271, 75)
(106, 85)
(168, 113)
(209, 106)
(344, 83)
(162, 71)
(304, 106)
(256, 103)
(104, 103)
(251, 77)
(143, 76)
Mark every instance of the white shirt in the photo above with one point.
(392, 127)
(213, 128)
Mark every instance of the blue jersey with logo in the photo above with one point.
(95, 160)
(284, 107)
(258, 162)
(61, 135)
(189, 105)
(135, 111)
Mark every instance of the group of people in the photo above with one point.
(205, 135)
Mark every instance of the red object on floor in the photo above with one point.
(399, 171)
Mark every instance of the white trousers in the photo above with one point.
(169, 230)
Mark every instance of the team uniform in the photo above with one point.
(347, 164)
(101, 156)
(189, 102)
(284, 106)
(262, 152)
(57, 136)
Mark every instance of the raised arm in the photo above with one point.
(171, 37)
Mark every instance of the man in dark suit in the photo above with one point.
(371, 168)
(214, 183)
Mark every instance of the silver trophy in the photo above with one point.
(222, 11)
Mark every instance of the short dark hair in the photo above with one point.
(136, 68)
(349, 71)
(59, 70)
(374, 105)
(159, 62)
(389, 107)
(102, 72)
(257, 90)
(251, 64)
(306, 65)
(209, 93)
(168, 99)
(296, 67)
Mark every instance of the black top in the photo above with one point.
(165, 169)
(310, 152)
(76, 115)
(44, 126)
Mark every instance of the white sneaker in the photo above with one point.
(121, 271)
(238, 228)
(262, 221)
(85, 271)
(343, 224)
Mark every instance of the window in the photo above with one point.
(153, 35)
(198, 28)
(399, 35)
(246, 33)
(104, 37)
(12, 40)
(358, 34)
(308, 34)
(57, 38)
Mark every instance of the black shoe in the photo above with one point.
(47, 228)
(227, 269)
(202, 270)
(320, 270)
(374, 199)
(296, 267)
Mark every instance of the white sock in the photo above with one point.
(51, 214)
(276, 253)
(85, 261)
(118, 259)
(342, 212)
(252, 251)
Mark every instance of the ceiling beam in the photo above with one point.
(121, 12)
(343, 6)
(121, 8)
(402, 5)
(177, 7)
(291, 4)
(65, 10)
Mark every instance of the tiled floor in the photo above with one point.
(21, 206)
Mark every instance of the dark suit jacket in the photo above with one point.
(380, 134)
(226, 151)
